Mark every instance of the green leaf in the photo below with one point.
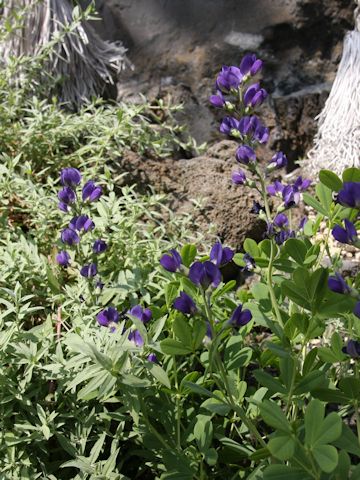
(188, 254)
(283, 472)
(216, 406)
(195, 388)
(351, 175)
(268, 381)
(222, 289)
(330, 429)
(274, 416)
(351, 387)
(282, 447)
(182, 331)
(326, 457)
(314, 415)
(315, 204)
(251, 247)
(314, 379)
(203, 433)
(348, 441)
(158, 373)
(325, 196)
(330, 180)
(330, 395)
(170, 346)
(211, 457)
(296, 249)
(171, 290)
(198, 333)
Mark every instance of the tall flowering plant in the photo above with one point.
(214, 380)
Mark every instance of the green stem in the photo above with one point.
(152, 428)
(270, 286)
(326, 244)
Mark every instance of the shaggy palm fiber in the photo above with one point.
(80, 61)
(337, 143)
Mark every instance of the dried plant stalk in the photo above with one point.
(81, 61)
(337, 143)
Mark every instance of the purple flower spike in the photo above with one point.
(240, 317)
(91, 191)
(245, 154)
(229, 125)
(99, 246)
(229, 78)
(83, 222)
(171, 261)
(248, 124)
(239, 177)
(281, 220)
(70, 176)
(349, 195)
(136, 338)
(69, 236)
(221, 255)
(108, 316)
(63, 258)
(67, 195)
(185, 304)
(143, 314)
(217, 100)
(347, 234)
(337, 284)
(204, 274)
(352, 349)
(152, 358)
(357, 309)
(259, 97)
(89, 271)
(279, 160)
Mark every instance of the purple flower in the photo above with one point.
(67, 195)
(357, 309)
(279, 160)
(83, 222)
(301, 185)
(63, 207)
(261, 134)
(221, 255)
(337, 284)
(88, 271)
(229, 126)
(245, 154)
(282, 236)
(91, 191)
(256, 208)
(349, 196)
(250, 64)
(217, 100)
(276, 188)
(281, 220)
(171, 261)
(239, 177)
(185, 304)
(352, 348)
(302, 223)
(205, 274)
(108, 316)
(290, 196)
(240, 317)
(69, 236)
(70, 176)
(136, 338)
(99, 284)
(63, 258)
(248, 124)
(99, 246)
(259, 97)
(250, 93)
(347, 234)
(249, 262)
(229, 78)
(152, 358)
(143, 314)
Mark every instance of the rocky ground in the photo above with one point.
(177, 47)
